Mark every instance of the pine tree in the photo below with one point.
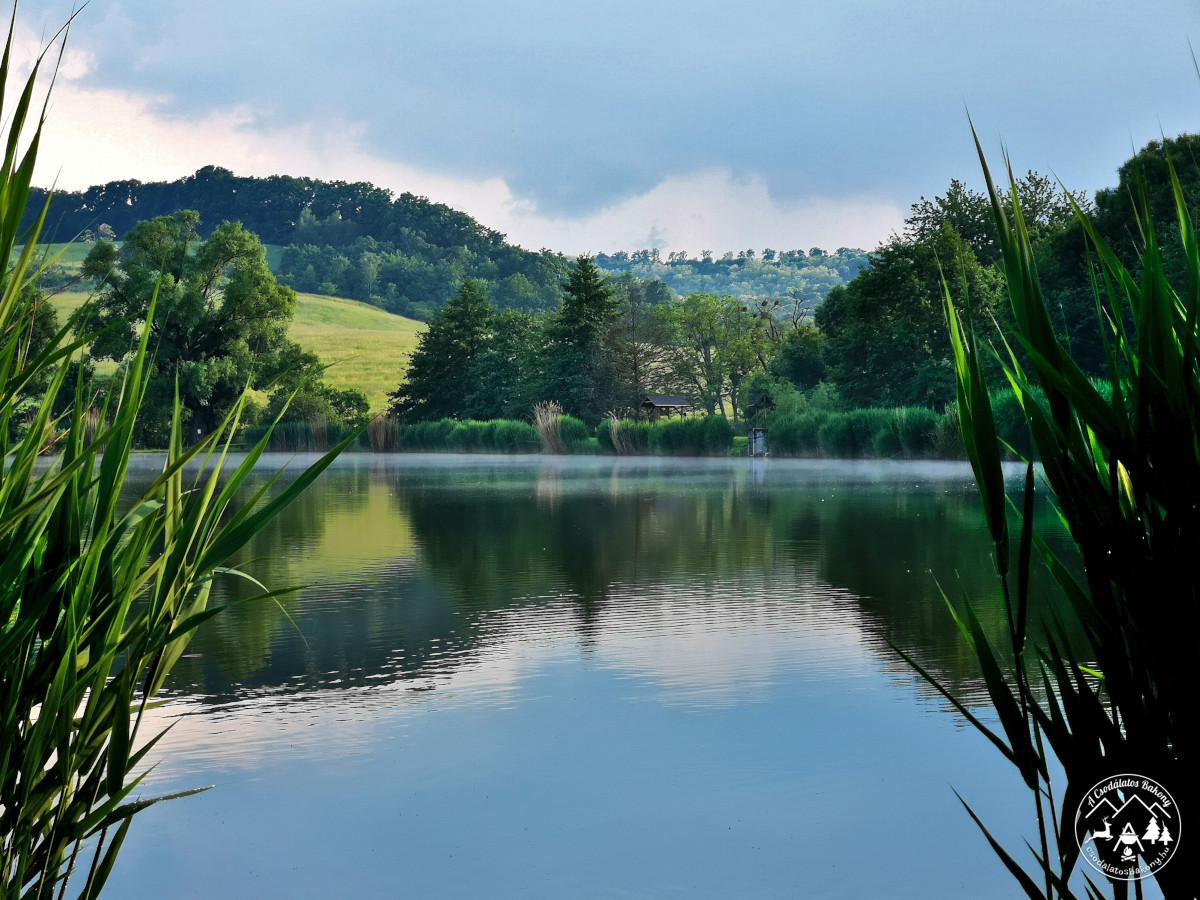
(579, 369)
(438, 383)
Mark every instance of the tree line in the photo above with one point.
(878, 340)
(605, 341)
(402, 252)
(610, 342)
(794, 277)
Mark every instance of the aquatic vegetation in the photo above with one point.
(693, 436)
(99, 593)
(1122, 462)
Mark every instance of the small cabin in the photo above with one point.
(657, 405)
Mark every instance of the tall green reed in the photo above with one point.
(1123, 468)
(99, 593)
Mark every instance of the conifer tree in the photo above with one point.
(579, 369)
(438, 384)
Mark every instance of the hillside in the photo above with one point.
(790, 276)
(367, 347)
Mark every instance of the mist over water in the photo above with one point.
(588, 677)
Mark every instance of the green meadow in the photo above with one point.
(367, 347)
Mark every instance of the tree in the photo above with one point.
(715, 341)
(641, 333)
(1117, 208)
(579, 366)
(1045, 206)
(296, 374)
(501, 376)
(1152, 830)
(220, 321)
(693, 361)
(745, 345)
(439, 383)
(886, 341)
(799, 358)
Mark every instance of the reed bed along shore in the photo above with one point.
(874, 433)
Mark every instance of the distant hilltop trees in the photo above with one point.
(795, 278)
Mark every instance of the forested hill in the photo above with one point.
(269, 207)
(407, 254)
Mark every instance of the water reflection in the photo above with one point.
(421, 565)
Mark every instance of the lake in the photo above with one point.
(588, 677)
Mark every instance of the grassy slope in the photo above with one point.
(368, 347)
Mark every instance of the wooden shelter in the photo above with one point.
(761, 403)
(657, 405)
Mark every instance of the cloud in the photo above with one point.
(712, 210)
(700, 125)
(101, 134)
(579, 108)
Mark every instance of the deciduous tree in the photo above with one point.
(885, 333)
(220, 322)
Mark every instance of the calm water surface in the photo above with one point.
(518, 677)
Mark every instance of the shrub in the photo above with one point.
(637, 435)
(694, 436)
(511, 436)
(885, 442)
(917, 429)
(459, 439)
(604, 435)
(573, 432)
(717, 435)
(835, 436)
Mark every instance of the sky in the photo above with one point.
(685, 126)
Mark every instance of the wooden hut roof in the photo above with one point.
(665, 400)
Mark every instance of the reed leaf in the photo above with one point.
(1123, 473)
(99, 592)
